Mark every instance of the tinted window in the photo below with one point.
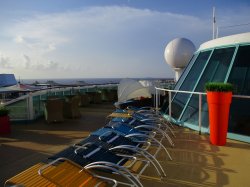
(240, 77)
(185, 72)
(240, 74)
(188, 84)
(216, 70)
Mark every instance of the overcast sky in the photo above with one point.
(106, 38)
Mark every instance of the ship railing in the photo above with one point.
(159, 91)
(31, 106)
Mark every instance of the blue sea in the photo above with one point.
(90, 81)
(74, 80)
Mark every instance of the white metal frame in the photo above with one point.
(157, 100)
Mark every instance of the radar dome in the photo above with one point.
(178, 52)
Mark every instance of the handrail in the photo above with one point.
(180, 91)
(198, 93)
(242, 96)
(16, 99)
(187, 92)
(32, 109)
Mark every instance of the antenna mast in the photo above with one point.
(214, 22)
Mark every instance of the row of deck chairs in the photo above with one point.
(117, 154)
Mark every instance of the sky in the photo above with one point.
(46, 39)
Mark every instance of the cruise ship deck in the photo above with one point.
(195, 161)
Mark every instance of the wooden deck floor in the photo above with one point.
(195, 161)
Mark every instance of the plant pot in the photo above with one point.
(218, 107)
(4, 125)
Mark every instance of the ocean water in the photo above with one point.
(86, 80)
(74, 80)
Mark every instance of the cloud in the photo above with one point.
(112, 25)
(27, 61)
(5, 62)
(37, 44)
(41, 66)
(19, 39)
(104, 41)
(51, 65)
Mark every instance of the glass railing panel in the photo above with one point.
(18, 110)
(191, 114)
(38, 106)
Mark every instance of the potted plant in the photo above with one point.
(219, 97)
(4, 120)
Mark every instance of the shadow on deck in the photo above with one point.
(195, 161)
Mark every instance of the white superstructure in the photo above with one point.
(225, 41)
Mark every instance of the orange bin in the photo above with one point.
(218, 107)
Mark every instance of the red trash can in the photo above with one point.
(4, 125)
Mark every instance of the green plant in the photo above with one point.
(4, 111)
(218, 87)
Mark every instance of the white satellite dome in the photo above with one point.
(177, 54)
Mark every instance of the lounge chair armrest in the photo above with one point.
(145, 154)
(152, 138)
(105, 133)
(158, 130)
(117, 169)
(79, 147)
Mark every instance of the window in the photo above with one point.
(240, 74)
(240, 77)
(185, 72)
(180, 99)
(216, 70)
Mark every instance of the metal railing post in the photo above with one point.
(156, 99)
(159, 100)
(30, 107)
(169, 104)
(200, 105)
